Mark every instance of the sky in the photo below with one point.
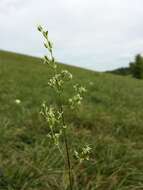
(95, 34)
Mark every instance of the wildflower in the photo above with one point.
(39, 27)
(75, 101)
(66, 75)
(79, 89)
(54, 115)
(51, 115)
(17, 101)
(83, 154)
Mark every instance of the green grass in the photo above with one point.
(110, 120)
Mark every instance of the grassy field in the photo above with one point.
(110, 120)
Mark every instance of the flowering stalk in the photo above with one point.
(55, 116)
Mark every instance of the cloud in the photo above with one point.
(99, 35)
(7, 6)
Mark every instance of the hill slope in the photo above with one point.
(110, 119)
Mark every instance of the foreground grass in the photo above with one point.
(110, 120)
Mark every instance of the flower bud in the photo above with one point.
(39, 27)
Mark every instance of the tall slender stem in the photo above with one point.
(67, 151)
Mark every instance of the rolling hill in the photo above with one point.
(110, 120)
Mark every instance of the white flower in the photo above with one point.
(17, 101)
(86, 149)
(79, 89)
(84, 154)
(66, 74)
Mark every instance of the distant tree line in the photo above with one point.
(135, 68)
(121, 71)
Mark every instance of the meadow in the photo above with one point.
(110, 120)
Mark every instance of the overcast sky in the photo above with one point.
(95, 34)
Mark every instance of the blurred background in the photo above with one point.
(98, 35)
